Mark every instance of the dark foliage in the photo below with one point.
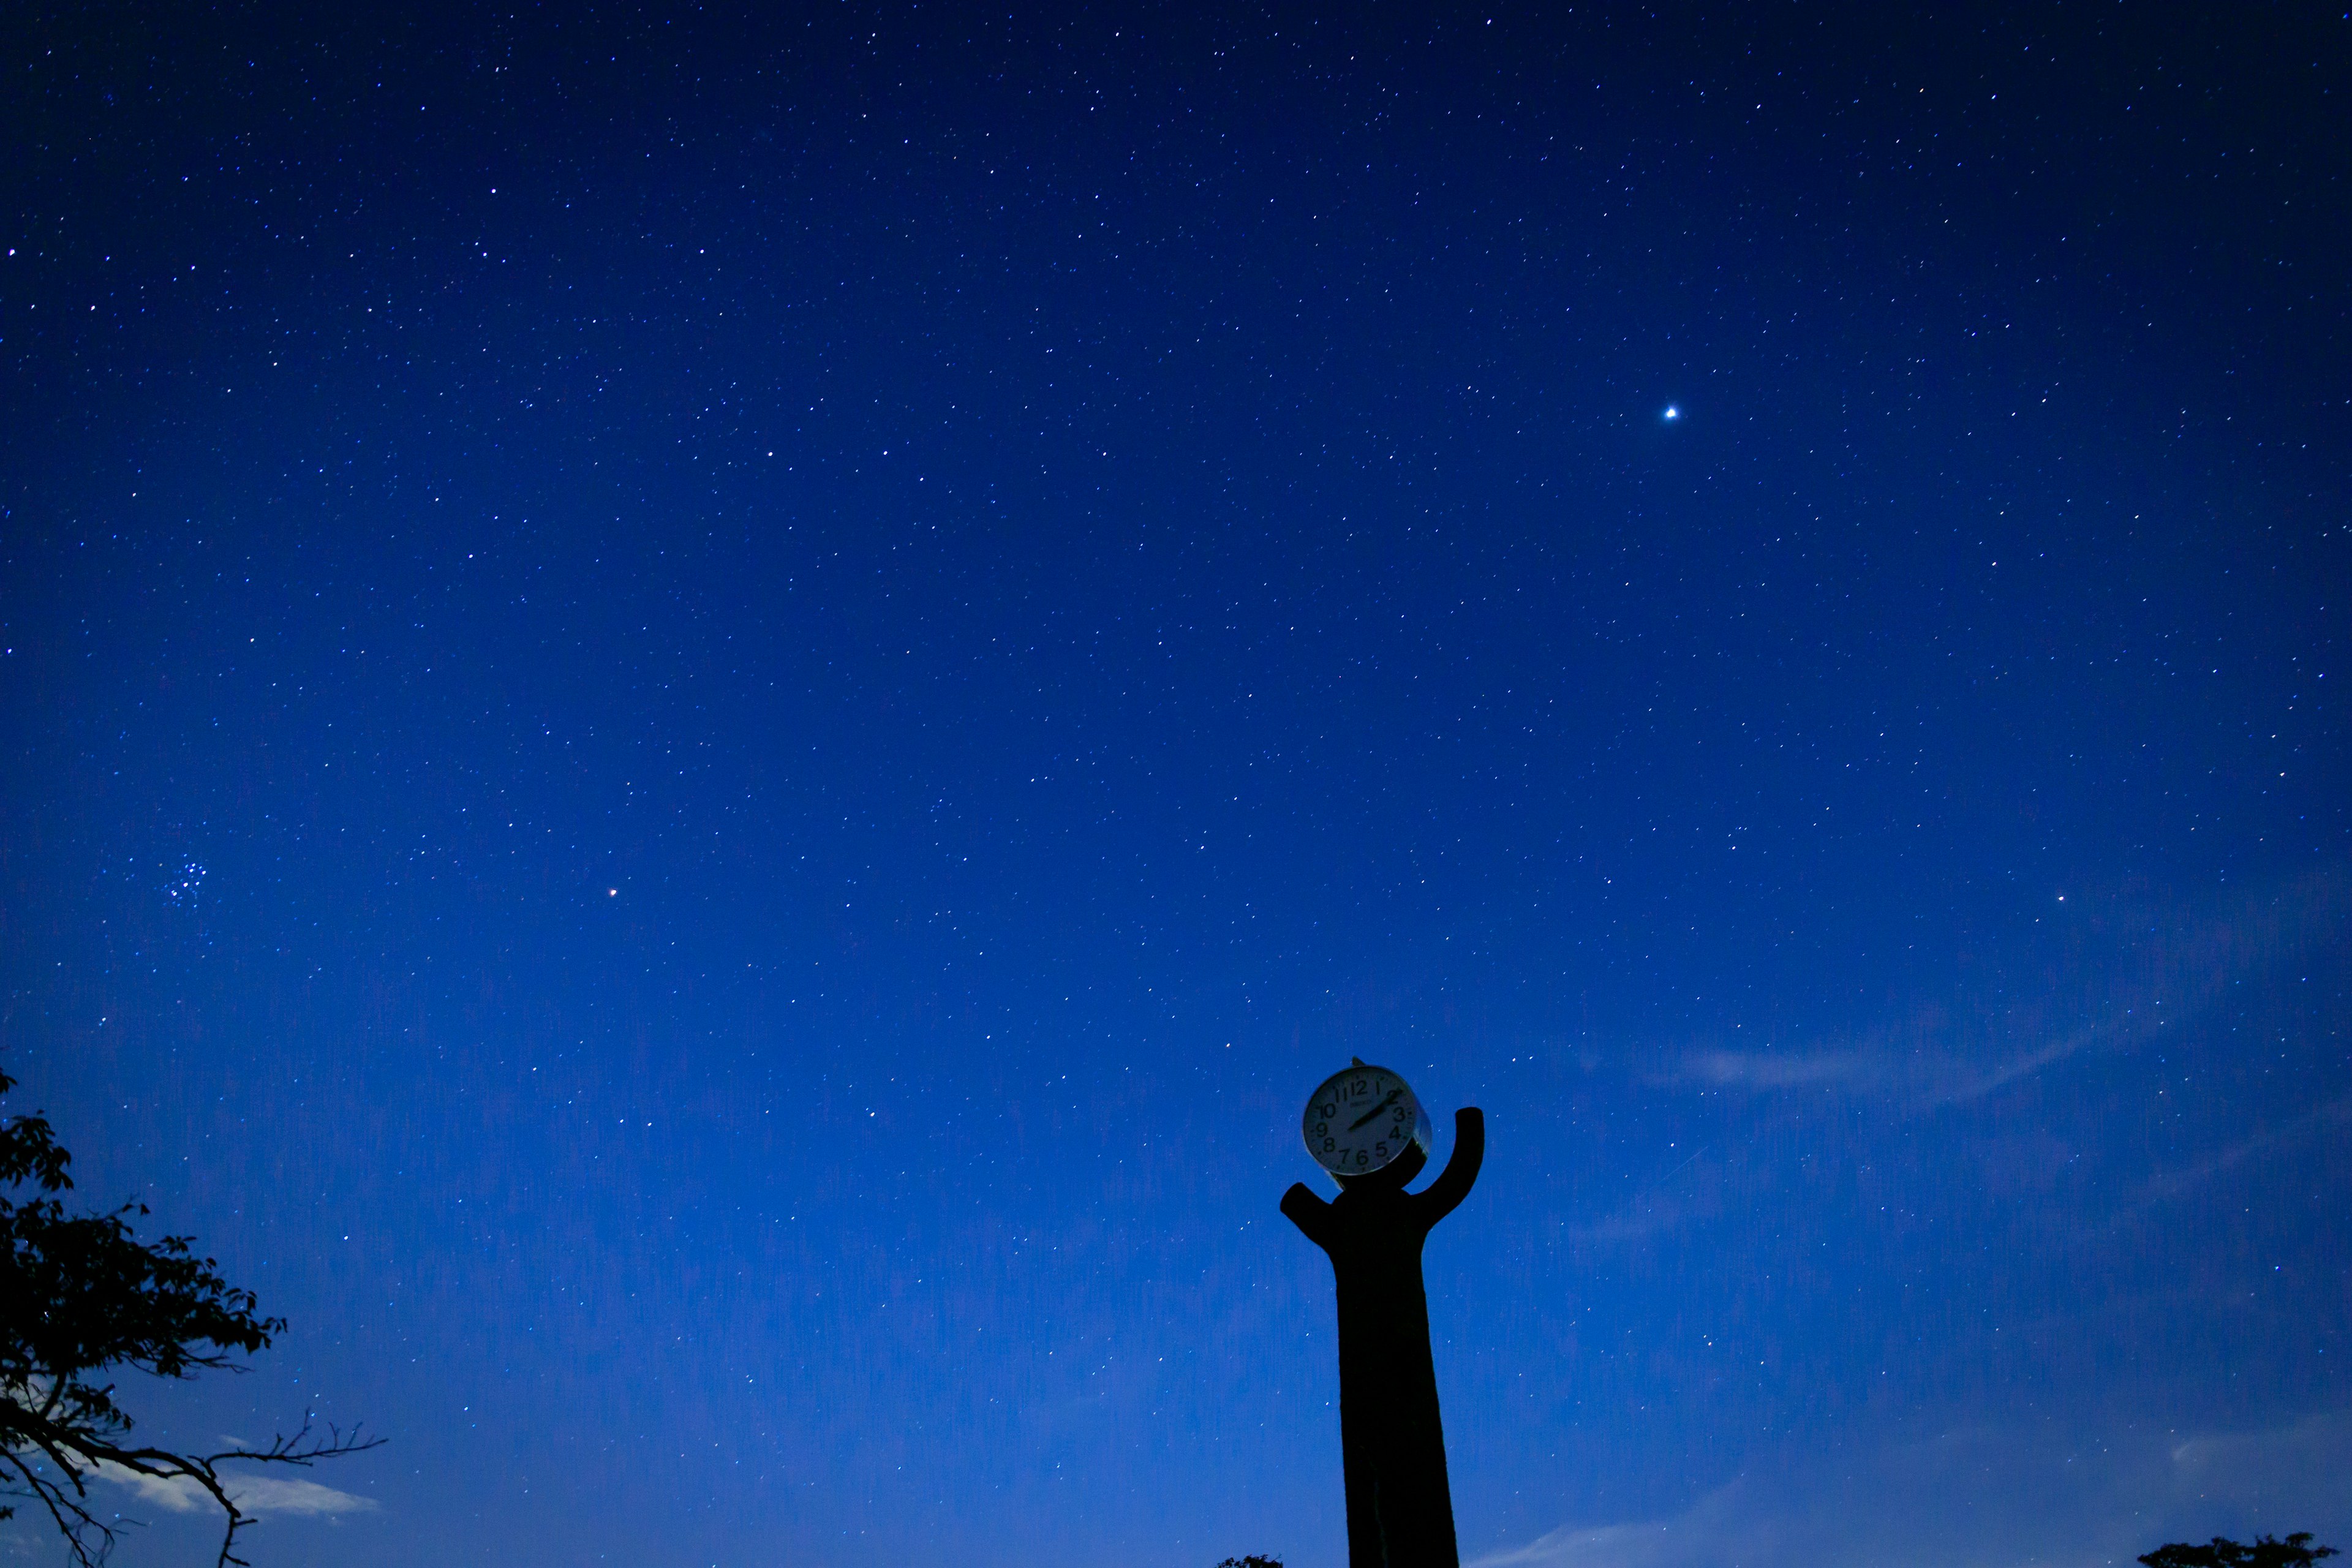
(2295, 1552)
(80, 1295)
(1251, 1562)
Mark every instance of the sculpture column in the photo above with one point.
(1400, 1507)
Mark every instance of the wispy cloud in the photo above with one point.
(1646, 1216)
(285, 1496)
(1985, 1497)
(1774, 1070)
(2333, 1113)
(1616, 1545)
(2273, 1468)
(2173, 969)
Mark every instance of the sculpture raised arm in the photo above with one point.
(1310, 1213)
(1443, 1195)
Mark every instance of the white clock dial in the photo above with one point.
(1361, 1120)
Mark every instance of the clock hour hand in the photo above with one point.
(1375, 1110)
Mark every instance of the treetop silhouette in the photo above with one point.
(2267, 1552)
(81, 1295)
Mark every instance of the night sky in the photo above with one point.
(707, 719)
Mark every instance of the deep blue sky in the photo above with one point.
(707, 720)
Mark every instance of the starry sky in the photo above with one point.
(709, 715)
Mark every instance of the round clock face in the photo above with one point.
(1361, 1120)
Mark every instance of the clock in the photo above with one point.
(1361, 1120)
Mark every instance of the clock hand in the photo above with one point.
(1375, 1110)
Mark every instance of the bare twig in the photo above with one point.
(76, 1456)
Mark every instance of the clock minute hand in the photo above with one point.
(1375, 1110)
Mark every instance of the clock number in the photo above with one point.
(1331, 1110)
(1359, 1087)
(1330, 1144)
(1381, 1149)
(1322, 1128)
(1362, 1159)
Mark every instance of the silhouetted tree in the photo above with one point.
(1252, 1561)
(2295, 1552)
(81, 1295)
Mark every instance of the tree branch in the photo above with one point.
(76, 1455)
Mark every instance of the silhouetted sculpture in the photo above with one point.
(1400, 1508)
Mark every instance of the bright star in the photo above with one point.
(1673, 412)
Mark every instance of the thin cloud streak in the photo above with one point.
(2178, 1182)
(261, 1496)
(1773, 1069)
(1926, 1063)
(1984, 1497)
